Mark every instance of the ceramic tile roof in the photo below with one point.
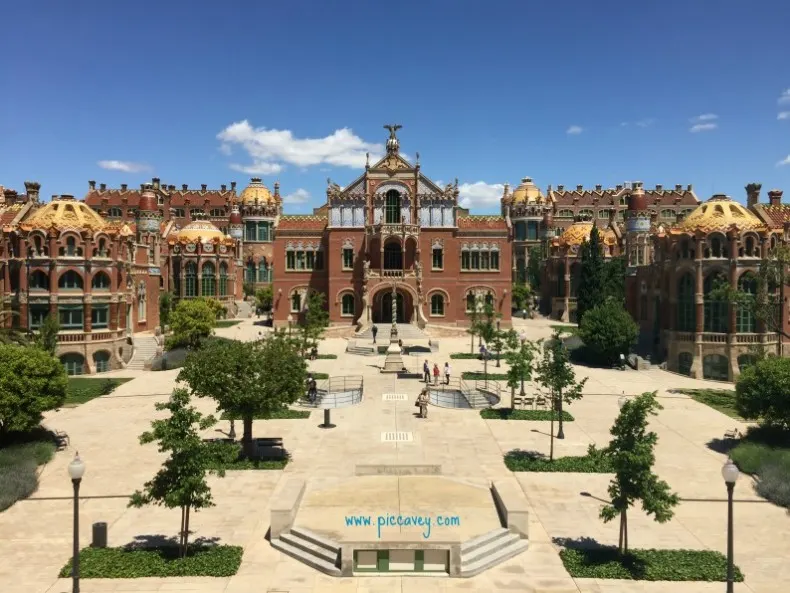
(8, 213)
(307, 222)
(174, 198)
(481, 222)
(654, 197)
(774, 216)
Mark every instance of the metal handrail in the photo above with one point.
(336, 392)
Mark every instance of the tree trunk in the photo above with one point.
(620, 539)
(247, 445)
(186, 534)
(472, 345)
(485, 369)
(181, 532)
(551, 431)
(625, 532)
(558, 411)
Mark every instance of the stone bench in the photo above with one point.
(512, 506)
(285, 504)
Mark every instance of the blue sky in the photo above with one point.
(487, 92)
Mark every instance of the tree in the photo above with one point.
(220, 311)
(192, 321)
(633, 456)
(608, 331)
(761, 392)
(614, 280)
(181, 483)
(487, 330)
(165, 307)
(47, 337)
(264, 297)
(314, 321)
(520, 358)
(535, 268)
(32, 382)
(521, 294)
(474, 318)
(555, 374)
(248, 380)
(248, 289)
(591, 280)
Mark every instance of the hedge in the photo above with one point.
(287, 414)
(511, 414)
(465, 356)
(647, 565)
(595, 462)
(480, 376)
(133, 562)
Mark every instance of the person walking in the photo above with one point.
(426, 370)
(435, 374)
(374, 330)
(447, 373)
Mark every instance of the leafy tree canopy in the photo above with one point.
(762, 390)
(608, 331)
(191, 322)
(591, 281)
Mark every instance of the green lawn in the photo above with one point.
(566, 329)
(287, 414)
(480, 376)
(765, 452)
(532, 461)
(133, 562)
(19, 461)
(511, 414)
(722, 400)
(227, 322)
(464, 356)
(84, 389)
(647, 565)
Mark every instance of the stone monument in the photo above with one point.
(393, 363)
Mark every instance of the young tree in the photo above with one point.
(165, 307)
(47, 337)
(316, 318)
(520, 295)
(607, 332)
(264, 297)
(590, 293)
(181, 483)
(474, 319)
(761, 392)
(555, 374)
(633, 456)
(192, 321)
(520, 358)
(487, 330)
(535, 268)
(248, 380)
(31, 382)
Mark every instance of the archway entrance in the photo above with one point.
(382, 307)
(386, 308)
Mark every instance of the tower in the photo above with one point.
(637, 228)
(236, 228)
(148, 222)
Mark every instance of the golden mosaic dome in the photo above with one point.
(256, 191)
(63, 213)
(201, 230)
(720, 213)
(579, 232)
(527, 192)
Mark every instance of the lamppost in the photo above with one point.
(730, 474)
(76, 471)
(523, 336)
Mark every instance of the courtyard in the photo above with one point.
(35, 534)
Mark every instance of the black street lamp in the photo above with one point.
(523, 336)
(76, 471)
(730, 474)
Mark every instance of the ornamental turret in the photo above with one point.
(236, 227)
(637, 227)
(148, 218)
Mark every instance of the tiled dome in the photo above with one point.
(720, 213)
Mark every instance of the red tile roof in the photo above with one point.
(481, 222)
(773, 216)
(305, 222)
(654, 197)
(115, 197)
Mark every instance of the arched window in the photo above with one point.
(687, 317)
(437, 305)
(716, 367)
(223, 279)
(565, 214)
(114, 213)
(70, 279)
(263, 271)
(489, 300)
(74, 363)
(520, 231)
(71, 247)
(190, 279)
(101, 360)
(470, 302)
(195, 213)
(249, 272)
(39, 280)
(101, 250)
(392, 207)
(684, 252)
(715, 305)
(101, 281)
(716, 247)
(585, 214)
(347, 305)
(37, 248)
(745, 320)
(393, 256)
(179, 213)
(296, 302)
(209, 280)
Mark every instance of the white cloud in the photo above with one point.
(480, 194)
(704, 117)
(226, 149)
(644, 123)
(783, 115)
(300, 196)
(624, 124)
(573, 130)
(270, 149)
(704, 123)
(784, 97)
(703, 127)
(125, 166)
(785, 161)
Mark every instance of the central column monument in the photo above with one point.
(393, 363)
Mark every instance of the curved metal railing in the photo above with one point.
(459, 394)
(336, 392)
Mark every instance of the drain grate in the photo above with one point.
(396, 437)
(394, 397)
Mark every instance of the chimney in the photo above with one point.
(775, 197)
(224, 187)
(124, 186)
(276, 188)
(31, 189)
(678, 187)
(560, 188)
(659, 187)
(753, 194)
(171, 188)
(155, 181)
(203, 187)
(184, 187)
(579, 187)
(142, 186)
(549, 188)
(66, 197)
(619, 187)
(92, 185)
(598, 187)
(689, 187)
(102, 187)
(232, 186)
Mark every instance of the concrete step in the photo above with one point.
(361, 351)
(484, 563)
(315, 538)
(490, 547)
(481, 540)
(306, 557)
(309, 547)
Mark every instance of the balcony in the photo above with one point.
(99, 335)
(400, 229)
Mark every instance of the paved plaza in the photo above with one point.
(35, 534)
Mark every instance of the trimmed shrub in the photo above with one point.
(761, 392)
(607, 331)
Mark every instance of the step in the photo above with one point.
(315, 538)
(475, 568)
(306, 557)
(490, 548)
(309, 547)
(481, 540)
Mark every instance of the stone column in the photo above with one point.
(122, 321)
(88, 311)
(699, 298)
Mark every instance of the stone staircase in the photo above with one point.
(490, 549)
(244, 308)
(144, 351)
(310, 548)
(406, 331)
(367, 348)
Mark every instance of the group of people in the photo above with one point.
(426, 371)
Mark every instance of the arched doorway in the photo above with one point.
(382, 307)
(386, 308)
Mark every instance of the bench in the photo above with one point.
(61, 440)
(285, 503)
(270, 448)
(735, 433)
(512, 506)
